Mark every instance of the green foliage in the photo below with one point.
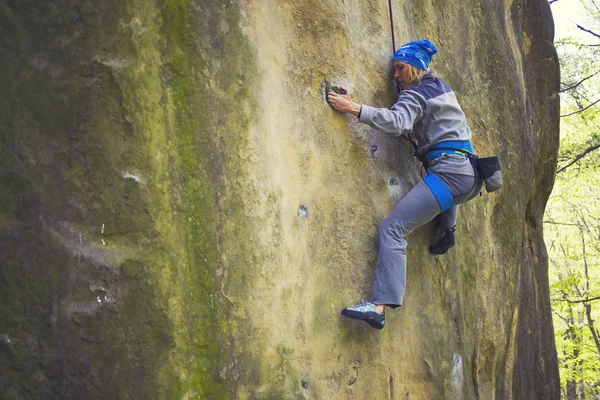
(572, 220)
(580, 94)
(572, 232)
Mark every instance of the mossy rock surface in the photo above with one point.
(183, 216)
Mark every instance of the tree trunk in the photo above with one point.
(571, 390)
(590, 323)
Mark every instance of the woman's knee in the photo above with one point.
(391, 228)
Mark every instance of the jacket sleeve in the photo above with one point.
(400, 119)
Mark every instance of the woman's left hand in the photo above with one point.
(343, 102)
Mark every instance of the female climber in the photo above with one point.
(428, 113)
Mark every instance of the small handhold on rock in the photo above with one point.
(332, 88)
(302, 212)
(393, 182)
(304, 384)
(6, 346)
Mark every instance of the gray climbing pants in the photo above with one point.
(417, 208)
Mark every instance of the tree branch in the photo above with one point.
(578, 83)
(565, 320)
(559, 223)
(585, 263)
(588, 31)
(578, 301)
(580, 156)
(590, 323)
(581, 109)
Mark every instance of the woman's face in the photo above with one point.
(401, 73)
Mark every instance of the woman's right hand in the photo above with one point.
(343, 102)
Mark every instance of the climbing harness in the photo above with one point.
(460, 147)
(440, 191)
(488, 167)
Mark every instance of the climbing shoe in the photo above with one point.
(365, 311)
(444, 243)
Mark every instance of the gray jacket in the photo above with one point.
(430, 113)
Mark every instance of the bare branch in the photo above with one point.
(564, 251)
(578, 83)
(581, 109)
(588, 31)
(559, 223)
(566, 321)
(578, 301)
(585, 263)
(585, 224)
(590, 323)
(580, 156)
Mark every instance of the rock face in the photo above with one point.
(183, 216)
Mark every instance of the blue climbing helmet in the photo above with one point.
(417, 53)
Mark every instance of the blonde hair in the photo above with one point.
(415, 74)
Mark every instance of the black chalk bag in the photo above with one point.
(489, 168)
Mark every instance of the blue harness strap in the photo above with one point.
(439, 190)
(460, 147)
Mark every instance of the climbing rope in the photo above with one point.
(393, 38)
(392, 26)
